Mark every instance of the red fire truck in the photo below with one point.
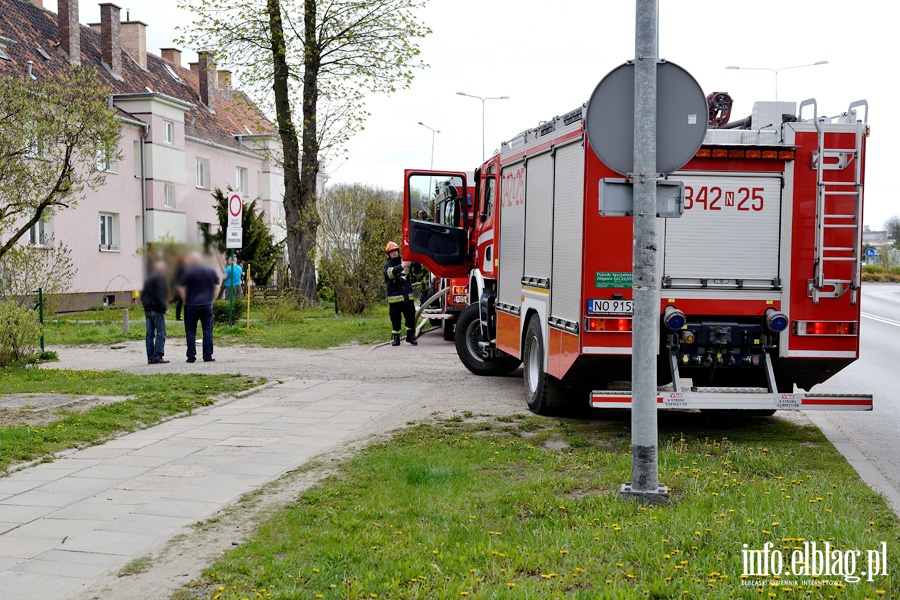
(759, 277)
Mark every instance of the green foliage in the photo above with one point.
(26, 268)
(64, 120)
(259, 249)
(20, 334)
(356, 222)
(221, 309)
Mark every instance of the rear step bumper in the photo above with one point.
(740, 400)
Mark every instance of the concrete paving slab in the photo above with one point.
(154, 525)
(48, 499)
(35, 586)
(4, 527)
(189, 509)
(52, 529)
(17, 513)
(24, 549)
(71, 570)
(111, 542)
(111, 471)
(72, 557)
(91, 511)
(10, 486)
(74, 484)
(161, 449)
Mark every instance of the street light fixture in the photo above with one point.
(433, 131)
(482, 113)
(778, 70)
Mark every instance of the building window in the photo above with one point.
(203, 173)
(109, 231)
(169, 193)
(41, 234)
(169, 132)
(240, 181)
(107, 161)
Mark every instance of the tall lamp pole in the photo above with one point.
(433, 131)
(483, 100)
(778, 70)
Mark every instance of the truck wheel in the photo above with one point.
(537, 382)
(447, 329)
(472, 355)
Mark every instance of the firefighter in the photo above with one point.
(399, 290)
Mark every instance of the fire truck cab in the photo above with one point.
(759, 278)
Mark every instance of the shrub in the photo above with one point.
(20, 334)
(872, 269)
(277, 309)
(220, 310)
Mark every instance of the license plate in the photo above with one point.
(610, 307)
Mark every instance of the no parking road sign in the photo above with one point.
(235, 210)
(234, 234)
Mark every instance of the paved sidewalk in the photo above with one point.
(64, 524)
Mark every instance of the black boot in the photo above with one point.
(395, 339)
(411, 338)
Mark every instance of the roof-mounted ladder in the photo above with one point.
(827, 194)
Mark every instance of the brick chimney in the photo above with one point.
(173, 55)
(110, 42)
(207, 72)
(224, 79)
(69, 30)
(134, 40)
(195, 67)
(38, 3)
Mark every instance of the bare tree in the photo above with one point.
(892, 225)
(325, 54)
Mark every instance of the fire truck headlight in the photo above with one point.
(673, 318)
(775, 320)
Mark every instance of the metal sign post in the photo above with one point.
(234, 235)
(634, 135)
(644, 432)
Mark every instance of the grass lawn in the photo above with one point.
(306, 328)
(528, 508)
(151, 399)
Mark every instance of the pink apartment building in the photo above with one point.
(193, 130)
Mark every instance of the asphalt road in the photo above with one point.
(875, 434)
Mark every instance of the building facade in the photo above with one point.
(185, 132)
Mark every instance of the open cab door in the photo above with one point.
(434, 221)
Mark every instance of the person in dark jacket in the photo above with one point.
(179, 273)
(155, 299)
(399, 292)
(198, 287)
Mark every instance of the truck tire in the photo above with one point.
(472, 355)
(448, 329)
(537, 382)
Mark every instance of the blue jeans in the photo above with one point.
(203, 314)
(156, 334)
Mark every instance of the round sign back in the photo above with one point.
(681, 118)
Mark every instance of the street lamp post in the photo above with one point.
(778, 70)
(482, 113)
(433, 131)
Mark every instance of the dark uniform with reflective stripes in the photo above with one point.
(399, 295)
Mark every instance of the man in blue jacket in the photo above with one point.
(399, 294)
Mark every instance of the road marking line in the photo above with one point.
(881, 319)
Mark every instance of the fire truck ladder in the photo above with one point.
(827, 193)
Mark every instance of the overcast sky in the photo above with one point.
(548, 56)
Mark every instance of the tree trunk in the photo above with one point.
(309, 166)
(298, 246)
